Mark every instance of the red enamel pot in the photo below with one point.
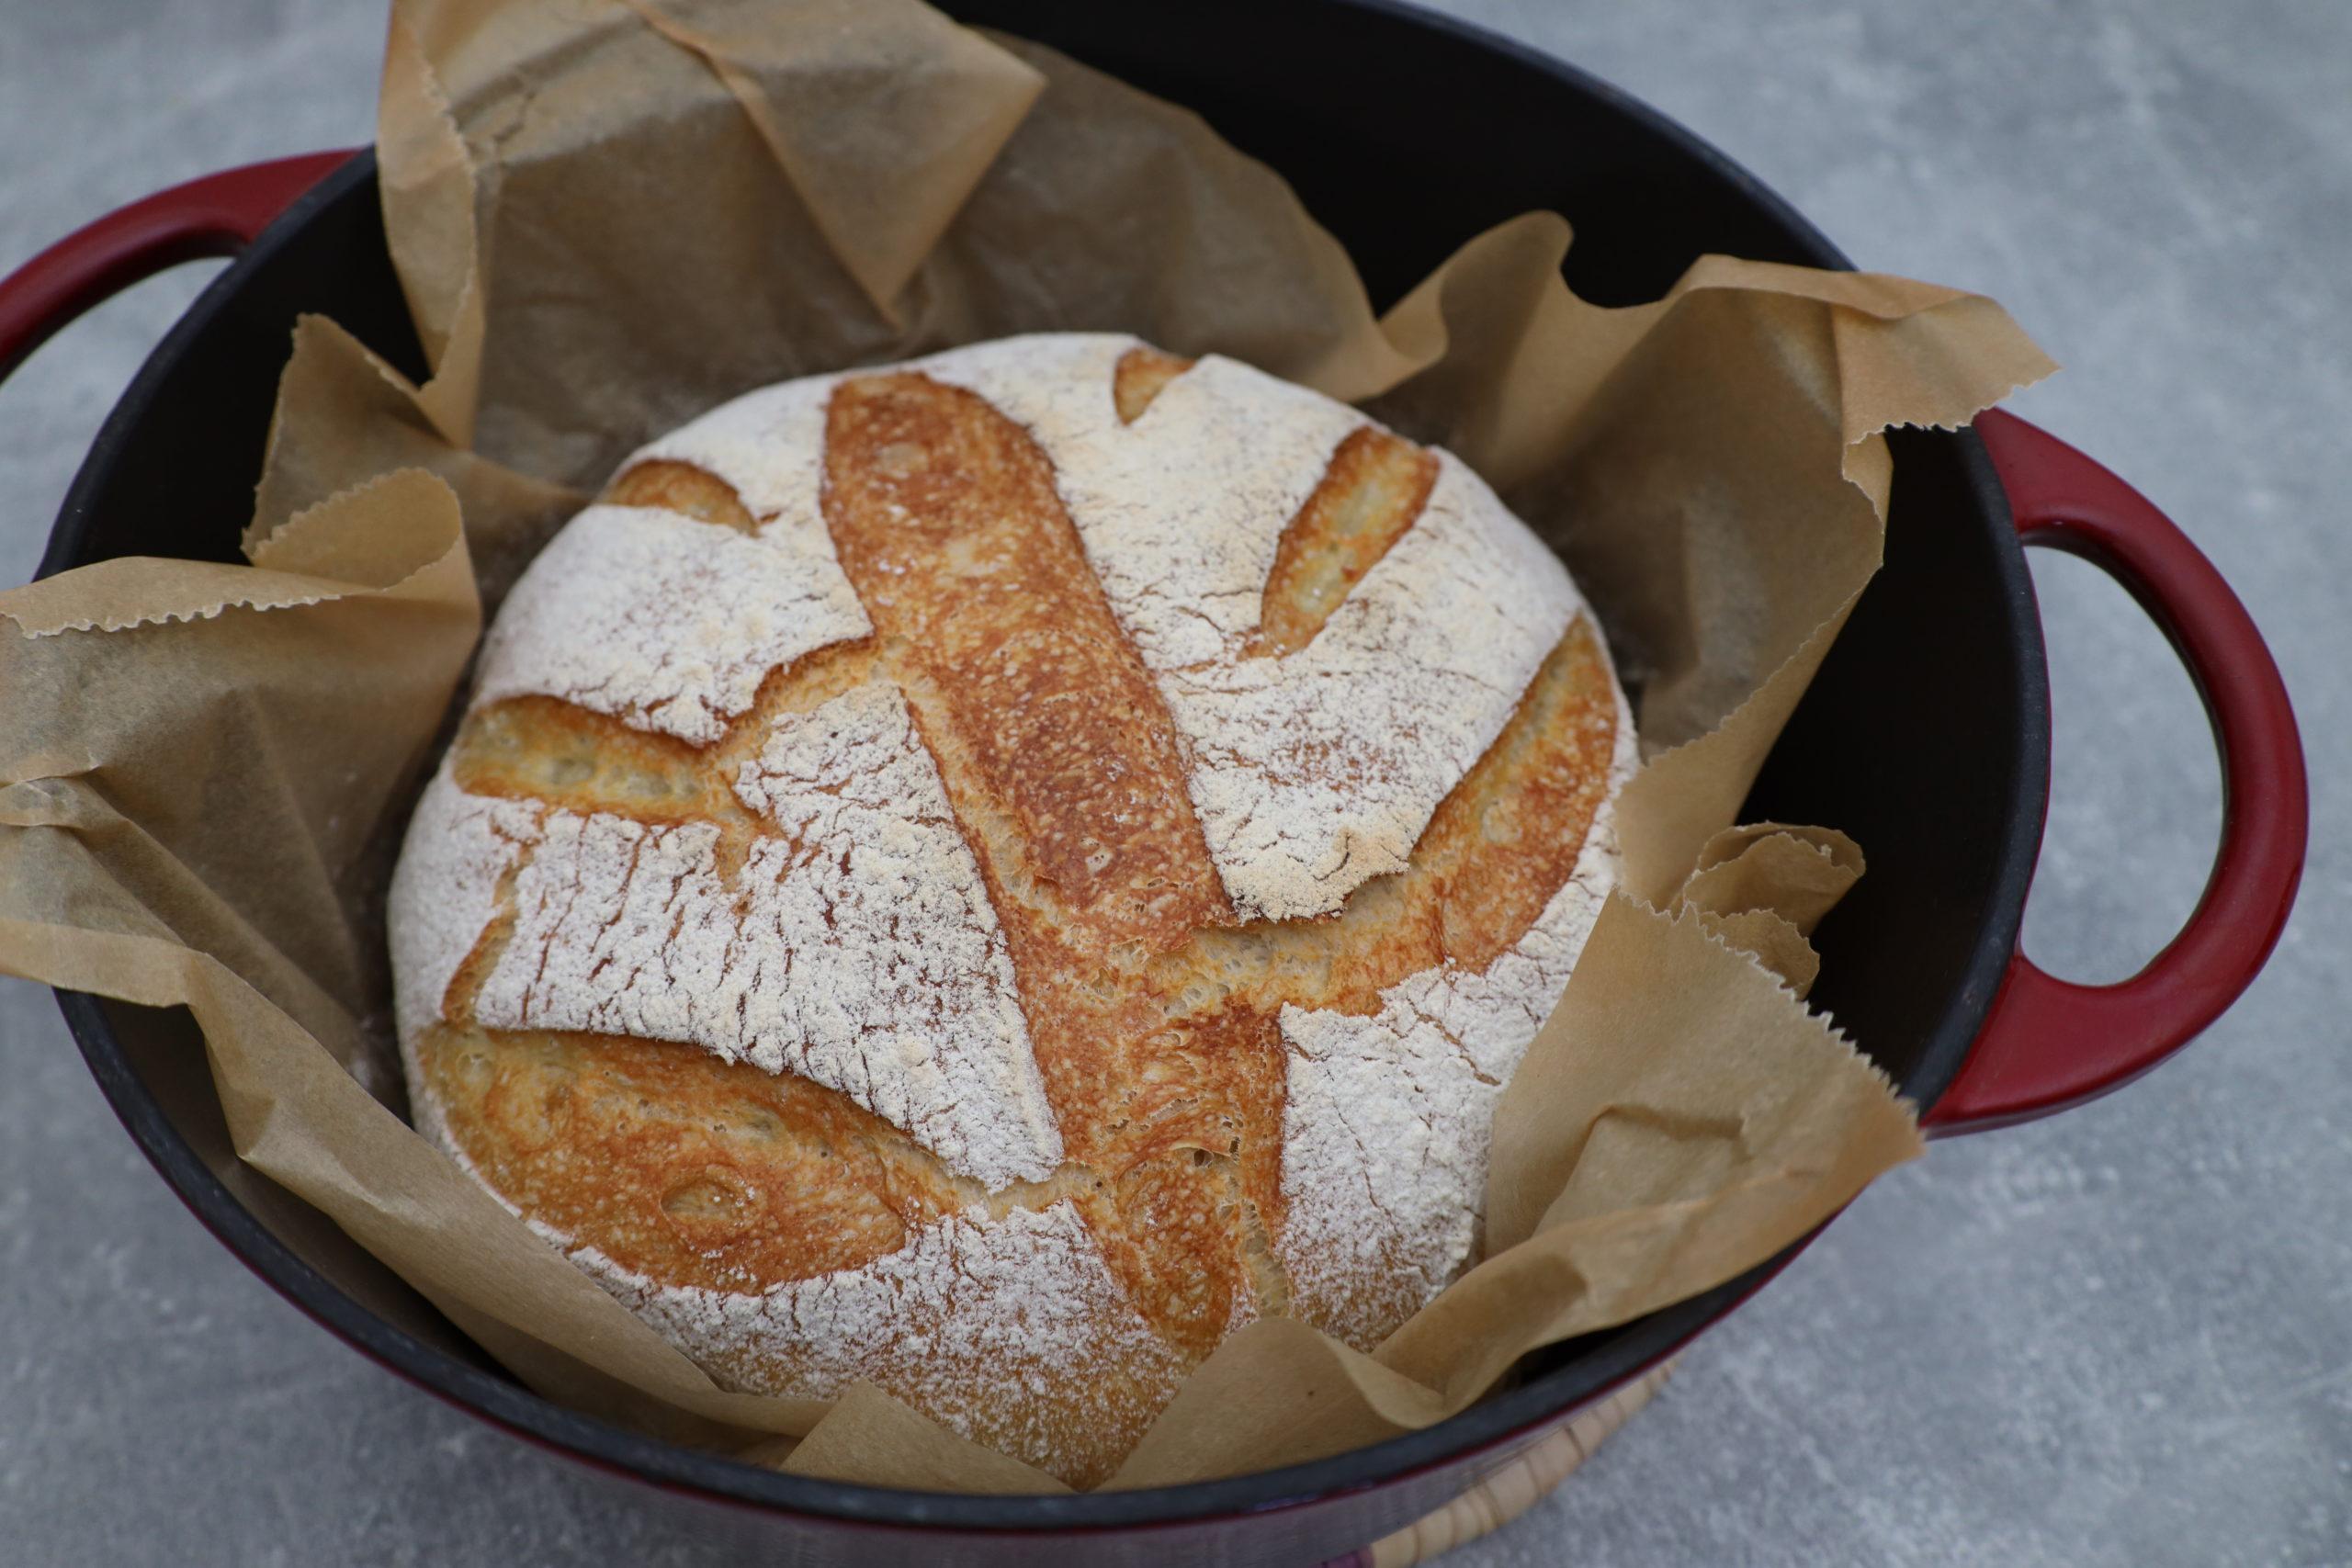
(1933, 707)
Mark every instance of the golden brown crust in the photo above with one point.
(1376, 485)
(1498, 847)
(1154, 1017)
(945, 518)
(545, 748)
(1063, 767)
(678, 1167)
(1138, 377)
(683, 488)
(1502, 842)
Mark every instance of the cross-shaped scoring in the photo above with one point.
(1112, 825)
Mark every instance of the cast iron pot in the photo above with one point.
(1933, 707)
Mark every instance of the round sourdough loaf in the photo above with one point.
(986, 875)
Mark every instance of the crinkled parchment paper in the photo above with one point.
(608, 217)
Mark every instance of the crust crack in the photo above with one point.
(684, 489)
(1140, 375)
(1373, 491)
(1501, 843)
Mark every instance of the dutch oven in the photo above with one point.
(1932, 708)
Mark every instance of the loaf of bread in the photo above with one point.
(985, 876)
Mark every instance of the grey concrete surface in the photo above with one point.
(2121, 1337)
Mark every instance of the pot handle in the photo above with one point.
(2050, 1044)
(216, 215)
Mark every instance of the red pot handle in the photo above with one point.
(2050, 1044)
(218, 215)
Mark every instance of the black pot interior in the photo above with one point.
(1925, 735)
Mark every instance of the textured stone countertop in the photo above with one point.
(2121, 1337)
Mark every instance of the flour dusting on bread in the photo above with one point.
(854, 946)
(668, 623)
(984, 1323)
(1315, 771)
(987, 874)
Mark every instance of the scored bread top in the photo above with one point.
(983, 877)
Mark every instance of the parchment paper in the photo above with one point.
(608, 217)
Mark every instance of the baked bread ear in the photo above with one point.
(985, 876)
